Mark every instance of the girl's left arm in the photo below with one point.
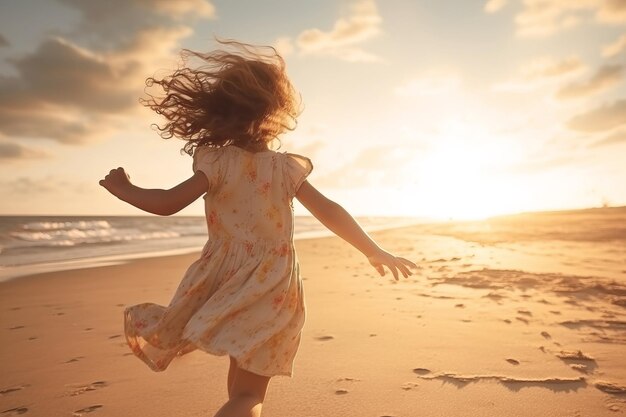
(156, 201)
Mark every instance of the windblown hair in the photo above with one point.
(240, 97)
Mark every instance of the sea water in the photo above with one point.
(33, 244)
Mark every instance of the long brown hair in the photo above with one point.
(240, 95)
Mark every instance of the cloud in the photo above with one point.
(75, 93)
(539, 71)
(182, 8)
(3, 41)
(62, 73)
(603, 79)
(95, 11)
(603, 118)
(284, 46)
(547, 67)
(615, 47)
(28, 186)
(493, 6)
(343, 40)
(541, 18)
(111, 22)
(611, 139)
(612, 11)
(71, 100)
(14, 151)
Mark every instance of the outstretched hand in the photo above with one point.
(116, 181)
(394, 263)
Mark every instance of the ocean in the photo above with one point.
(34, 244)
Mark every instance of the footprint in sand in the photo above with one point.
(512, 361)
(12, 389)
(546, 335)
(16, 327)
(348, 379)
(460, 305)
(556, 312)
(85, 410)
(525, 312)
(15, 411)
(421, 371)
(341, 391)
(407, 386)
(610, 387)
(324, 338)
(579, 367)
(91, 387)
(522, 319)
(76, 359)
(115, 336)
(578, 360)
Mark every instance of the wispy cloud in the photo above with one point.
(493, 6)
(541, 18)
(603, 118)
(344, 40)
(611, 139)
(539, 71)
(284, 45)
(548, 67)
(615, 47)
(113, 21)
(606, 77)
(13, 151)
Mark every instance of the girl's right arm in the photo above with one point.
(340, 222)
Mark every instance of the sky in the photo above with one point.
(447, 109)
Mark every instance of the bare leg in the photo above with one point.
(246, 394)
(231, 376)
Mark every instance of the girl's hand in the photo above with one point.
(116, 181)
(392, 262)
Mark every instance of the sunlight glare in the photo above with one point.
(462, 176)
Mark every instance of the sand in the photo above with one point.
(481, 329)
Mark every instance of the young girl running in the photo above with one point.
(244, 295)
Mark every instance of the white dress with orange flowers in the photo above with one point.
(243, 296)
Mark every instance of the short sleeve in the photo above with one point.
(207, 159)
(297, 169)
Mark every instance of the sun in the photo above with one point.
(463, 176)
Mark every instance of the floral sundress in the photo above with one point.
(244, 295)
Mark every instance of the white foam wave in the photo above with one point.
(72, 237)
(80, 224)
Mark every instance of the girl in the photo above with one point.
(243, 296)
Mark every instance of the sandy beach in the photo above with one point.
(491, 324)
